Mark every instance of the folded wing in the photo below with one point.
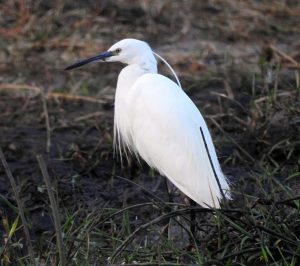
(165, 127)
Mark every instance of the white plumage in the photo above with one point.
(155, 119)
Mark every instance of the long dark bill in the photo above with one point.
(80, 63)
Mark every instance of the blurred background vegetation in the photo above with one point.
(239, 62)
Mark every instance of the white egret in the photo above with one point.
(156, 120)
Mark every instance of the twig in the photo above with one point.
(55, 212)
(20, 206)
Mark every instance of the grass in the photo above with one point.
(99, 213)
(259, 227)
(261, 230)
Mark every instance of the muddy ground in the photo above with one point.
(237, 60)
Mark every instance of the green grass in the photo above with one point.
(254, 121)
(259, 227)
(257, 230)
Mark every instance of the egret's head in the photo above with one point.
(127, 51)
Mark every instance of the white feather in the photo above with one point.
(157, 120)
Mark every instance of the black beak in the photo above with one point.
(80, 63)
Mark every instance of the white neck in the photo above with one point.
(132, 72)
(127, 78)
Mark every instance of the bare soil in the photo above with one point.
(222, 52)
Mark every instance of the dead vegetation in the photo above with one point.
(238, 60)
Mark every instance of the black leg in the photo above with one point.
(193, 217)
(170, 199)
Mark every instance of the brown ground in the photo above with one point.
(221, 50)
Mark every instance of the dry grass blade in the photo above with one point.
(18, 87)
(151, 264)
(156, 220)
(284, 55)
(240, 67)
(55, 212)
(50, 95)
(233, 141)
(230, 98)
(88, 116)
(47, 121)
(20, 206)
(66, 96)
(160, 203)
(280, 94)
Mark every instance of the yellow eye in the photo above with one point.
(118, 50)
